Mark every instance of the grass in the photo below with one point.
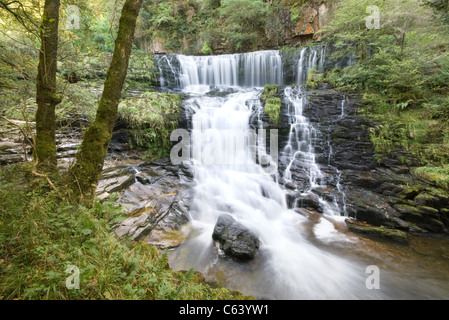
(41, 235)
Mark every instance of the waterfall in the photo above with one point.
(201, 73)
(343, 104)
(215, 71)
(300, 147)
(230, 180)
(310, 59)
(261, 68)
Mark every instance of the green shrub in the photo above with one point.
(244, 22)
(151, 117)
(269, 91)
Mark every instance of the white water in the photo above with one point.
(298, 257)
(260, 68)
(310, 59)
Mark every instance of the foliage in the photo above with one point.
(270, 90)
(441, 8)
(41, 235)
(78, 101)
(142, 68)
(192, 27)
(243, 22)
(206, 49)
(175, 22)
(402, 71)
(405, 59)
(314, 78)
(272, 105)
(273, 109)
(151, 118)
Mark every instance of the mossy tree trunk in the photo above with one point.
(47, 98)
(84, 175)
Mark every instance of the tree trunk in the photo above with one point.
(84, 175)
(47, 98)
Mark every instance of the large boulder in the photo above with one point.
(157, 204)
(235, 239)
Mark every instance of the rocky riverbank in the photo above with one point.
(378, 190)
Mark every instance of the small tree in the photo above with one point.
(84, 175)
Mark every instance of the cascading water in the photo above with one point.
(300, 147)
(310, 59)
(256, 69)
(288, 265)
(300, 256)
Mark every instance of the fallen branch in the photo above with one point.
(46, 177)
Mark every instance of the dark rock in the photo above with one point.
(115, 179)
(157, 205)
(122, 140)
(235, 240)
(142, 178)
(371, 207)
(309, 201)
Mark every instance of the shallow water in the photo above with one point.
(331, 264)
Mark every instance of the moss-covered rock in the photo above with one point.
(376, 233)
(273, 109)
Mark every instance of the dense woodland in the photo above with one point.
(50, 219)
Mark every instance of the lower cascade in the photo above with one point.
(246, 230)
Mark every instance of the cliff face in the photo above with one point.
(312, 18)
(285, 23)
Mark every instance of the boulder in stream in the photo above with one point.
(235, 239)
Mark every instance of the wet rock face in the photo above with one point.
(235, 240)
(384, 193)
(157, 203)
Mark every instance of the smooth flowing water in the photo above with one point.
(300, 256)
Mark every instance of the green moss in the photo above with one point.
(273, 109)
(438, 175)
(272, 102)
(269, 91)
(314, 78)
(380, 233)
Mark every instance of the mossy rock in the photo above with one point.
(269, 91)
(408, 212)
(376, 233)
(411, 192)
(273, 109)
(428, 211)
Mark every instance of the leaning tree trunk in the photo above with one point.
(84, 175)
(47, 98)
